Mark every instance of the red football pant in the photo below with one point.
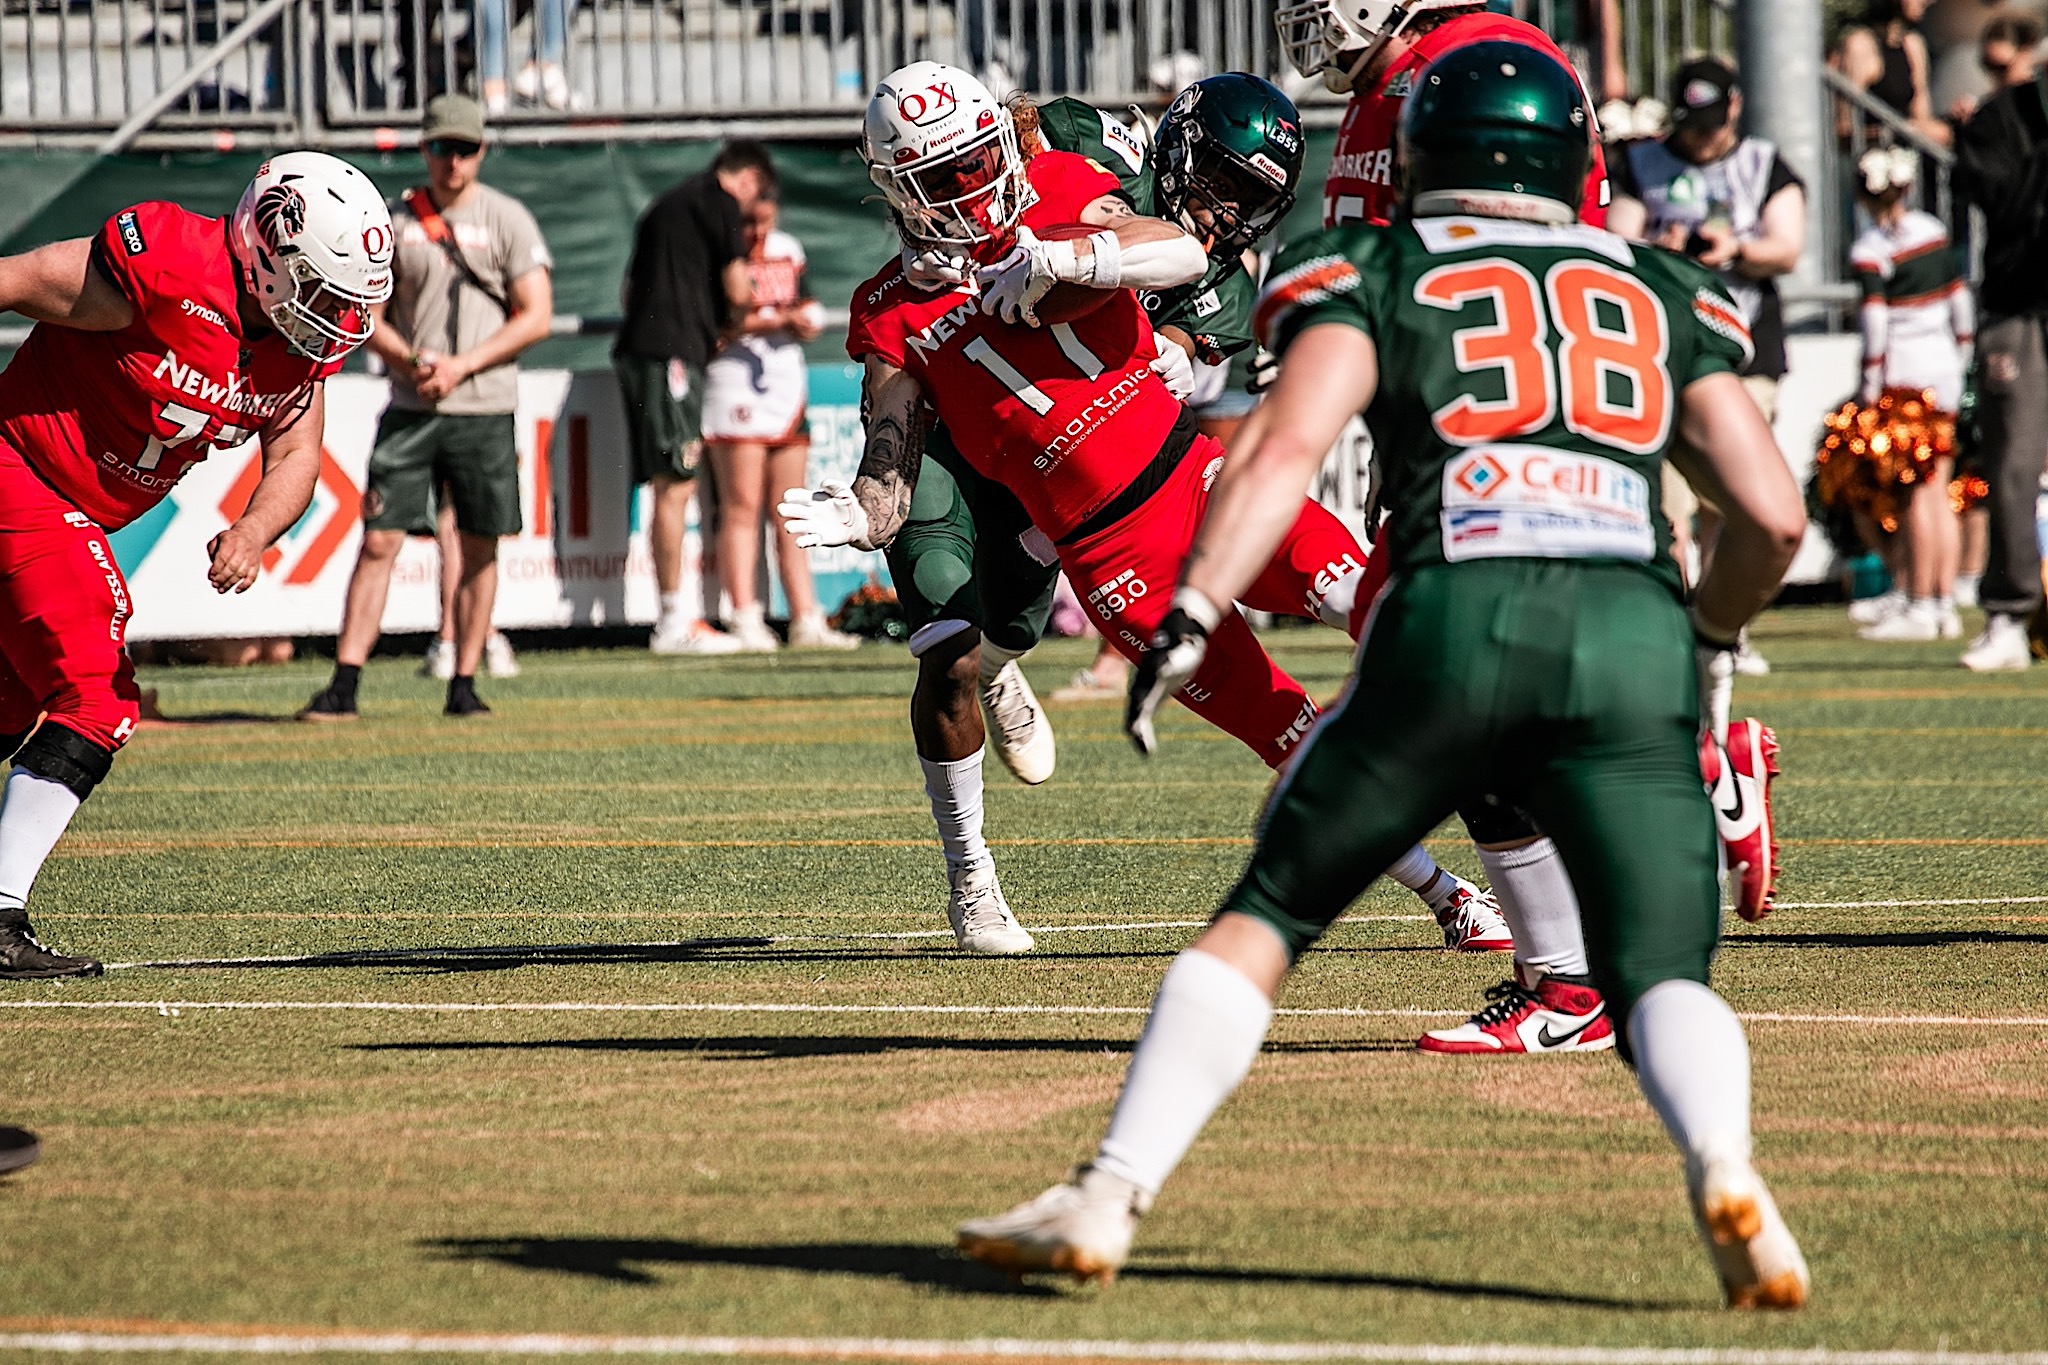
(64, 610)
(1126, 576)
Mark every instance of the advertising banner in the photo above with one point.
(582, 559)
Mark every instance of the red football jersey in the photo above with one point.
(1360, 187)
(113, 419)
(1064, 416)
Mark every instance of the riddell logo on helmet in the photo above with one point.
(929, 105)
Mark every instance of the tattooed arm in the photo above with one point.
(892, 412)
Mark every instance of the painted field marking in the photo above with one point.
(231, 1341)
(173, 1007)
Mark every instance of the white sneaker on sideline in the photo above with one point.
(1916, 621)
(981, 918)
(499, 660)
(1869, 611)
(1080, 1227)
(1965, 589)
(749, 627)
(815, 632)
(1950, 621)
(1017, 726)
(691, 637)
(1758, 1261)
(2002, 648)
(440, 660)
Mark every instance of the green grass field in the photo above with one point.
(674, 1043)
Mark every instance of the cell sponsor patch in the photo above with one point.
(131, 232)
(1532, 502)
(1314, 281)
(1443, 235)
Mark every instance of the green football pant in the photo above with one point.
(959, 557)
(1565, 687)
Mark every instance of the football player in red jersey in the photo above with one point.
(1375, 49)
(1070, 417)
(167, 336)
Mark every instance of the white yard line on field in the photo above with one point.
(173, 1007)
(273, 1342)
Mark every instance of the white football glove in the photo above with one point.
(819, 518)
(1175, 366)
(1012, 287)
(932, 269)
(1174, 655)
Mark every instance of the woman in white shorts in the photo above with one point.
(757, 439)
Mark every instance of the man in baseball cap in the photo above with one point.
(1705, 97)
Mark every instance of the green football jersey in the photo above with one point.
(1215, 310)
(1529, 379)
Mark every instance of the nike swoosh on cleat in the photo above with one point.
(1732, 814)
(1545, 1038)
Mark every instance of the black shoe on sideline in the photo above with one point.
(328, 705)
(24, 959)
(463, 700)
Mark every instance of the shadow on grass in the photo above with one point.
(1936, 938)
(507, 957)
(762, 1047)
(622, 1262)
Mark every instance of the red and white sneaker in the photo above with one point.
(1556, 1016)
(1471, 921)
(1739, 784)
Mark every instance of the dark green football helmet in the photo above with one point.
(1231, 147)
(1497, 130)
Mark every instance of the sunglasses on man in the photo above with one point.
(452, 147)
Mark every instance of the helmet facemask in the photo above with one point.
(961, 195)
(318, 320)
(1337, 39)
(1241, 200)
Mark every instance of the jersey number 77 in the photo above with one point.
(1606, 369)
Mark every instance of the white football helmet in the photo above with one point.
(944, 153)
(1336, 38)
(313, 240)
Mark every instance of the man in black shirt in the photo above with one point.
(2002, 167)
(686, 284)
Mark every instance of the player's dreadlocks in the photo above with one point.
(1025, 115)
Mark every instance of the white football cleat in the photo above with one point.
(1759, 1263)
(1017, 726)
(2002, 648)
(1472, 922)
(981, 918)
(1081, 1227)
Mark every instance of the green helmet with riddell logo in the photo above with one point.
(1230, 145)
(1496, 130)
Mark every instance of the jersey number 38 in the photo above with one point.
(1604, 370)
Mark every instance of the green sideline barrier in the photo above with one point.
(586, 198)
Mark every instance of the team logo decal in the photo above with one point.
(1480, 476)
(919, 107)
(377, 241)
(1701, 93)
(280, 214)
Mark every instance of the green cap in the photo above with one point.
(453, 116)
(1497, 130)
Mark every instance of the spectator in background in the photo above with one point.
(1731, 203)
(758, 440)
(471, 290)
(540, 81)
(499, 660)
(1918, 322)
(686, 286)
(2009, 51)
(1886, 58)
(2002, 167)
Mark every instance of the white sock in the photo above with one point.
(994, 658)
(955, 792)
(1417, 871)
(1204, 1032)
(753, 613)
(1693, 1064)
(670, 613)
(1536, 900)
(1719, 700)
(33, 817)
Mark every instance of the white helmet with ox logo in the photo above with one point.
(313, 240)
(943, 151)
